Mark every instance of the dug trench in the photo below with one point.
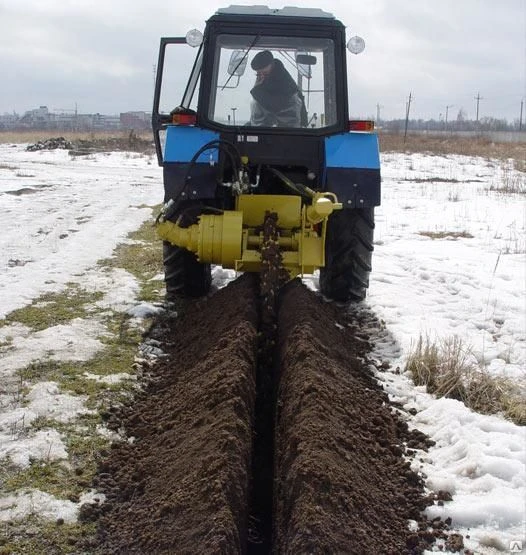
(303, 454)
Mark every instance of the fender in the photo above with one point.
(352, 169)
(180, 146)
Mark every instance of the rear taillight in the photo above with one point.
(361, 125)
(184, 119)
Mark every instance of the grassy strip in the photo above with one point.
(35, 536)
(53, 309)
(141, 255)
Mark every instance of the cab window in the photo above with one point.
(294, 89)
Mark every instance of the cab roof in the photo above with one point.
(287, 11)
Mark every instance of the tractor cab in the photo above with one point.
(307, 46)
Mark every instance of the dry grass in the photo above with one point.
(512, 183)
(87, 143)
(33, 136)
(446, 370)
(391, 142)
(452, 235)
(436, 179)
(488, 395)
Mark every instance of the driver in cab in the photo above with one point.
(276, 98)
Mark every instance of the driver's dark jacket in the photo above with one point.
(277, 101)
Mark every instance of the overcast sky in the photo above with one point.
(99, 56)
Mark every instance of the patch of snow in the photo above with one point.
(44, 445)
(222, 276)
(35, 502)
(144, 310)
(45, 400)
(119, 286)
(92, 496)
(475, 455)
(75, 341)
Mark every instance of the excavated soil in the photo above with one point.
(342, 483)
(196, 474)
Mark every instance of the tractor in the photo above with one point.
(230, 162)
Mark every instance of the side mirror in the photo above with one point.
(237, 63)
(305, 63)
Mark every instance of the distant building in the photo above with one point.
(39, 118)
(135, 120)
(9, 121)
(71, 120)
(103, 122)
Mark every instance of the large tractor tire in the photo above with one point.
(348, 252)
(184, 275)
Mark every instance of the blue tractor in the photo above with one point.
(261, 128)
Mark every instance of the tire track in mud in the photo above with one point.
(341, 483)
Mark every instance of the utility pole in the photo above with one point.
(234, 115)
(378, 106)
(447, 110)
(520, 117)
(407, 108)
(478, 98)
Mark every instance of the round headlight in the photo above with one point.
(194, 37)
(356, 45)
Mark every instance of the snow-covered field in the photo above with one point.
(473, 288)
(60, 215)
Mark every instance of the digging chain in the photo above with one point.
(273, 275)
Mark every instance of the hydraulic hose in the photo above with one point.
(298, 188)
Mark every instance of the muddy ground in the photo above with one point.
(316, 464)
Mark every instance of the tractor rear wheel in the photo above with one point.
(348, 252)
(184, 275)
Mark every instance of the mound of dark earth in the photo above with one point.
(186, 482)
(53, 143)
(130, 142)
